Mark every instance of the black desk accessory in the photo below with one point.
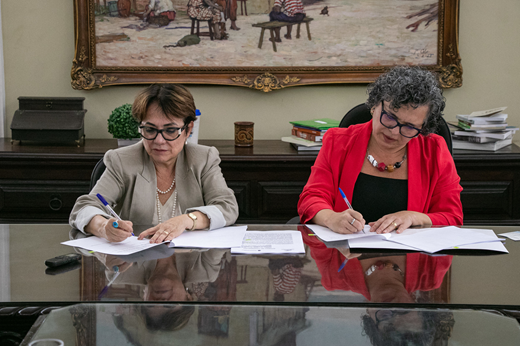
(63, 269)
(62, 260)
(49, 120)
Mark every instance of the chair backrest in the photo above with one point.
(98, 170)
(361, 114)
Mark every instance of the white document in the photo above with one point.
(220, 238)
(437, 239)
(128, 246)
(377, 243)
(512, 235)
(278, 242)
(327, 235)
(417, 239)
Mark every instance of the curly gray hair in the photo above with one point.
(409, 86)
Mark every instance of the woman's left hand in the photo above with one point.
(399, 222)
(168, 230)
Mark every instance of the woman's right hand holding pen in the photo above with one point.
(345, 222)
(118, 230)
(105, 228)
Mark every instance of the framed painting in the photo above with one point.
(261, 44)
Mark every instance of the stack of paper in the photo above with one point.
(483, 130)
(426, 239)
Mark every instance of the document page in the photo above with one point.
(378, 243)
(272, 242)
(221, 238)
(126, 247)
(326, 234)
(437, 239)
(512, 235)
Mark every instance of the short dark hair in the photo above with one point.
(409, 86)
(170, 320)
(436, 329)
(173, 99)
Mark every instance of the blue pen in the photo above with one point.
(349, 206)
(105, 289)
(345, 198)
(105, 203)
(343, 264)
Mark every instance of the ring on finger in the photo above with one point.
(395, 225)
(353, 220)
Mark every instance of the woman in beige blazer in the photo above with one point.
(162, 180)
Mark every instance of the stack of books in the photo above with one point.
(483, 130)
(307, 135)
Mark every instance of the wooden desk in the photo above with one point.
(41, 184)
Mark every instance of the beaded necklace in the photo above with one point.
(159, 202)
(381, 166)
(380, 265)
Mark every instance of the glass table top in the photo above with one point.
(215, 276)
(202, 324)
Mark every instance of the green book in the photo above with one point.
(319, 124)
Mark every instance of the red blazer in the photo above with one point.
(423, 272)
(433, 182)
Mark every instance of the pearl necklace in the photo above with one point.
(169, 189)
(159, 202)
(159, 205)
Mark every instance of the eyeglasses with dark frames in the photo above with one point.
(169, 133)
(390, 122)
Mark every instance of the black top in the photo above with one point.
(375, 197)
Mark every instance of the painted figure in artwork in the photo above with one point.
(207, 10)
(286, 11)
(157, 8)
(230, 11)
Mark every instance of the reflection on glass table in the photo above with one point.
(217, 276)
(199, 324)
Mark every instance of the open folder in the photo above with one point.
(424, 239)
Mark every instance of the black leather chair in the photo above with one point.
(361, 114)
(98, 170)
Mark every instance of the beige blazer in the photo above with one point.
(129, 183)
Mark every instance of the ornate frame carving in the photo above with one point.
(86, 75)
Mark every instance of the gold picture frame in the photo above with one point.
(103, 42)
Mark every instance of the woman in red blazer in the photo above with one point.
(395, 172)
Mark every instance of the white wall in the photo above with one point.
(39, 46)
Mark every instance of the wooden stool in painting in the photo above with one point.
(198, 33)
(273, 25)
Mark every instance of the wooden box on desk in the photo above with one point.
(49, 120)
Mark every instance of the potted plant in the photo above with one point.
(123, 126)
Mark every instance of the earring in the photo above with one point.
(186, 143)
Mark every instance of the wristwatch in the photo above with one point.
(194, 218)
